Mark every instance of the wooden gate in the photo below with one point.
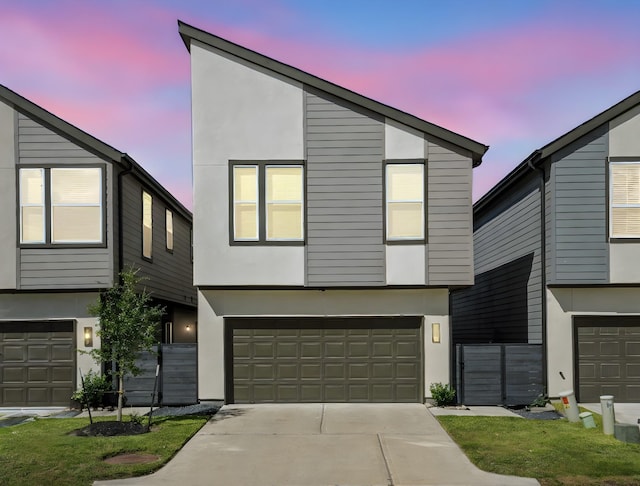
(499, 374)
(177, 380)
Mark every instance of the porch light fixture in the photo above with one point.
(188, 327)
(88, 337)
(435, 332)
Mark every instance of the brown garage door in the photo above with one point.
(324, 360)
(608, 358)
(37, 363)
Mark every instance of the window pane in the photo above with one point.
(245, 181)
(625, 222)
(284, 183)
(76, 186)
(405, 220)
(73, 224)
(625, 183)
(245, 224)
(32, 224)
(31, 186)
(169, 226)
(405, 182)
(284, 221)
(147, 225)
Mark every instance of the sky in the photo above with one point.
(511, 74)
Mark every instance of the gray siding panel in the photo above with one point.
(449, 217)
(579, 212)
(344, 148)
(62, 268)
(505, 303)
(169, 274)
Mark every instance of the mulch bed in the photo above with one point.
(110, 428)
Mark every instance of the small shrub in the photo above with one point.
(442, 394)
(95, 387)
(540, 401)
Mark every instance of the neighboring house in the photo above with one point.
(329, 229)
(74, 212)
(557, 259)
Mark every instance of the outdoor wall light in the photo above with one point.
(188, 327)
(88, 337)
(435, 332)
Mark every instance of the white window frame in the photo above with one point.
(422, 201)
(150, 198)
(168, 223)
(299, 202)
(42, 205)
(612, 205)
(235, 201)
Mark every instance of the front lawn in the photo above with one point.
(43, 452)
(556, 452)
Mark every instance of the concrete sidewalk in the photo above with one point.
(321, 445)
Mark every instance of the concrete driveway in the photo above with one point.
(321, 445)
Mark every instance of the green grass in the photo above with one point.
(43, 452)
(556, 452)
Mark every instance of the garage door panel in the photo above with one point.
(14, 354)
(62, 352)
(608, 357)
(38, 374)
(14, 374)
(326, 360)
(12, 396)
(39, 352)
(62, 374)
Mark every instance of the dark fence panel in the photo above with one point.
(177, 381)
(499, 374)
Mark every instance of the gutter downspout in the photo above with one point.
(128, 170)
(543, 263)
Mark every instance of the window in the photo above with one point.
(168, 217)
(267, 203)
(61, 205)
(147, 225)
(624, 197)
(405, 197)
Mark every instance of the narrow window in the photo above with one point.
(284, 202)
(147, 225)
(32, 206)
(405, 201)
(245, 203)
(76, 205)
(169, 227)
(624, 196)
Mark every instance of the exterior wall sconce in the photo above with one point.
(88, 337)
(188, 328)
(435, 332)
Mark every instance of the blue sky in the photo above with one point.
(510, 74)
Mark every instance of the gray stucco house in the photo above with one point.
(557, 260)
(329, 229)
(74, 212)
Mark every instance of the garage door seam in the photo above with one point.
(386, 463)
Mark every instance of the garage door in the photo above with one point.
(324, 360)
(37, 363)
(608, 358)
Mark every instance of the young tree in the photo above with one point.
(128, 325)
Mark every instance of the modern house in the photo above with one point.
(74, 212)
(329, 229)
(557, 260)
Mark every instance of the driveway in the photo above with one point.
(321, 445)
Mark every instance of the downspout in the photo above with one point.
(543, 263)
(128, 170)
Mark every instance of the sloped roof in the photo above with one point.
(540, 155)
(189, 33)
(89, 142)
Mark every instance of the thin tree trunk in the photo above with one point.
(120, 396)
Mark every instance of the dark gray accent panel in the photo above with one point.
(62, 268)
(170, 274)
(345, 148)
(496, 374)
(505, 304)
(138, 389)
(607, 358)
(579, 213)
(449, 216)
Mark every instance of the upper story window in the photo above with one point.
(624, 199)
(169, 229)
(405, 201)
(61, 205)
(147, 225)
(267, 203)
